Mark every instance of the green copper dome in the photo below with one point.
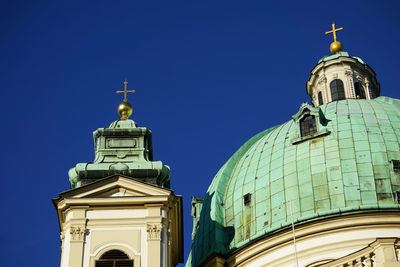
(350, 164)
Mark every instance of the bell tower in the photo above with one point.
(120, 210)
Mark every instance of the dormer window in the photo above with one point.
(311, 123)
(337, 90)
(359, 90)
(308, 125)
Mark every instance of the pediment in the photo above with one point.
(304, 109)
(117, 186)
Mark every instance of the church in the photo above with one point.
(322, 189)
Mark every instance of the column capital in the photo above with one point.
(154, 231)
(77, 233)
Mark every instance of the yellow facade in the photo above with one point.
(120, 213)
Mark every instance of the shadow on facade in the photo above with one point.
(211, 238)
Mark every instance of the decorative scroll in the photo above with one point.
(154, 231)
(77, 233)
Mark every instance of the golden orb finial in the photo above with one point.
(335, 46)
(125, 109)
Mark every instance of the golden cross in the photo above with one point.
(125, 91)
(334, 30)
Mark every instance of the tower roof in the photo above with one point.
(122, 148)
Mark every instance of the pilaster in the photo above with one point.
(77, 238)
(73, 236)
(154, 234)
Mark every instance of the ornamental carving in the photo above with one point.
(322, 80)
(154, 231)
(348, 73)
(77, 233)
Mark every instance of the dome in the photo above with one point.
(351, 165)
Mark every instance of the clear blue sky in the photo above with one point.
(208, 75)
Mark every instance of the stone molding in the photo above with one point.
(154, 231)
(322, 80)
(367, 256)
(348, 73)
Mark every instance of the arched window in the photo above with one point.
(337, 90)
(320, 99)
(359, 90)
(308, 126)
(114, 258)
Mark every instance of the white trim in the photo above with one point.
(319, 247)
(131, 252)
(117, 214)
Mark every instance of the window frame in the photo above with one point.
(320, 98)
(336, 87)
(125, 259)
(321, 123)
(396, 165)
(358, 85)
(305, 130)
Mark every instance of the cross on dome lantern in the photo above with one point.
(335, 46)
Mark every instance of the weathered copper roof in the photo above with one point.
(351, 167)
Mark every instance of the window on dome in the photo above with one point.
(247, 199)
(359, 90)
(320, 99)
(396, 165)
(311, 123)
(337, 90)
(308, 125)
(114, 258)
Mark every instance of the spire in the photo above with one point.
(124, 108)
(335, 46)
